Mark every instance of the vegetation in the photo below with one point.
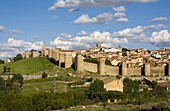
(108, 62)
(30, 65)
(14, 84)
(18, 57)
(44, 75)
(1, 61)
(41, 95)
(92, 60)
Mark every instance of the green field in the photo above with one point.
(30, 88)
(30, 65)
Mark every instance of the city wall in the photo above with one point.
(92, 67)
(80, 66)
(103, 69)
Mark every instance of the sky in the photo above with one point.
(80, 24)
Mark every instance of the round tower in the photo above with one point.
(68, 60)
(79, 63)
(124, 69)
(61, 58)
(147, 69)
(101, 67)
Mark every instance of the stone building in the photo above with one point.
(36, 54)
(113, 84)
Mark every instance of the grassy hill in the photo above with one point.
(30, 66)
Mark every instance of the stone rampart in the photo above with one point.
(92, 67)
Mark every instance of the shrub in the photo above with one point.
(44, 75)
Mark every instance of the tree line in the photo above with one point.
(12, 100)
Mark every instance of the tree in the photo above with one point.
(18, 78)
(5, 68)
(108, 62)
(1, 61)
(44, 75)
(9, 69)
(97, 86)
(18, 57)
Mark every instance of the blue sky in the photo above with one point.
(26, 24)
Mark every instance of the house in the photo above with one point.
(113, 84)
(7, 61)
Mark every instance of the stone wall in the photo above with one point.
(134, 71)
(92, 67)
(157, 71)
(110, 70)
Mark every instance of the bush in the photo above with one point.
(92, 60)
(44, 75)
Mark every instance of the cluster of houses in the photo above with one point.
(133, 57)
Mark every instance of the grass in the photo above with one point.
(30, 65)
(30, 88)
(40, 80)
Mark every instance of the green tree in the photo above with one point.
(1, 61)
(97, 86)
(108, 62)
(44, 75)
(5, 68)
(159, 92)
(9, 69)
(18, 57)
(18, 78)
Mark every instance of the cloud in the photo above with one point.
(122, 20)
(119, 9)
(154, 27)
(85, 42)
(13, 47)
(63, 35)
(129, 32)
(82, 33)
(94, 3)
(161, 38)
(15, 31)
(119, 15)
(140, 34)
(73, 10)
(54, 17)
(2, 28)
(100, 19)
(158, 19)
(35, 36)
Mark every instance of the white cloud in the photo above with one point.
(63, 35)
(100, 19)
(13, 47)
(161, 38)
(15, 31)
(2, 28)
(154, 27)
(54, 17)
(140, 34)
(119, 15)
(119, 9)
(129, 32)
(122, 20)
(84, 42)
(158, 19)
(73, 10)
(82, 33)
(35, 36)
(94, 3)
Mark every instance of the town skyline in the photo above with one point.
(26, 25)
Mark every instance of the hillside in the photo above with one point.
(30, 66)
